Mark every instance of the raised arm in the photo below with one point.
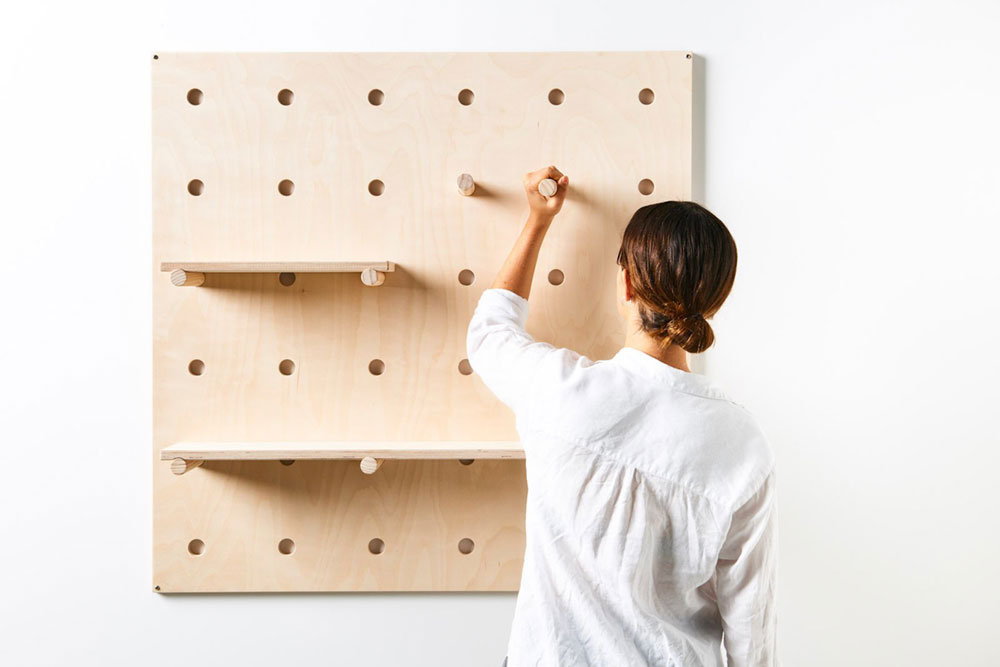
(500, 350)
(519, 268)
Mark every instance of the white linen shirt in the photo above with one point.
(650, 525)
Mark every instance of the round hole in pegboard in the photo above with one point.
(376, 367)
(466, 277)
(466, 545)
(376, 188)
(286, 279)
(286, 366)
(376, 546)
(465, 97)
(286, 187)
(286, 546)
(556, 96)
(646, 186)
(556, 277)
(646, 96)
(467, 462)
(285, 97)
(196, 187)
(196, 547)
(195, 96)
(286, 462)
(464, 367)
(375, 97)
(196, 367)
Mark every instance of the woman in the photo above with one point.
(650, 514)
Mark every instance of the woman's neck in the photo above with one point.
(672, 355)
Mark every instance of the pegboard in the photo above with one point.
(325, 266)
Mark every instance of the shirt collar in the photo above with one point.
(655, 370)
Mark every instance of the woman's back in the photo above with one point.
(649, 499)
(650, 516)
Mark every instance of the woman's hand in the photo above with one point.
(540, 206)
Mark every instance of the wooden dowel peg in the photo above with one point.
(372, 278)
(370, 464)
(181, 466)
(548, 187)
(466, 184)
(182, 278)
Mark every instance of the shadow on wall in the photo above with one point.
(700, 363)
(698, 130)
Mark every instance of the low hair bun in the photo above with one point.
(692, 333)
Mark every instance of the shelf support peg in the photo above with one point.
(548, 187)
(181, 466)
(372, 277)
(182, 278)
(466, 185)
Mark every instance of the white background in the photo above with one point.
(852, 148)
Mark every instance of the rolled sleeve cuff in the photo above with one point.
(504, 303)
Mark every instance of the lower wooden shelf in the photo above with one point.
(187, 455)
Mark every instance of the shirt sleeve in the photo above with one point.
(746, 574)
(501, 351)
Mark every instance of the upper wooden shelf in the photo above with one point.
(187, 455)
(192, 274)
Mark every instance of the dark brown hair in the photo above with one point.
(681, 263)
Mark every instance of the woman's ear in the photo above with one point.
(626, 283)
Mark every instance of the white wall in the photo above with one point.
(851, 146)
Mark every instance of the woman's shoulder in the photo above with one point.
(701, 440)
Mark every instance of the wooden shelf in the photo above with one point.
(324, 450)
(278, 267)
(192, 274)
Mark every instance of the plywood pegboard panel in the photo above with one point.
(240, 141)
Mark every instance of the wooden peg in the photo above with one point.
(370, 464)
(182, 278)
(548, 187)
(372, 278)
(466, 184)
(181, 466)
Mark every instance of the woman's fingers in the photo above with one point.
(562, 187)
(533, 178)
